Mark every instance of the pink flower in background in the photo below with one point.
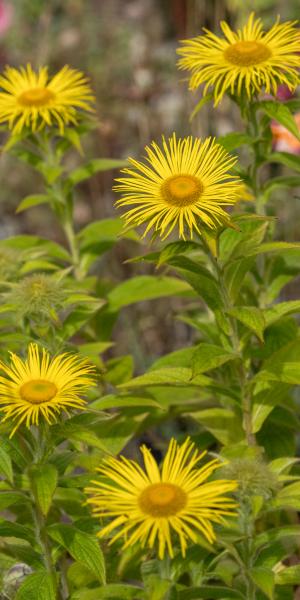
(283, 140)
(283, 93)
(6, 14)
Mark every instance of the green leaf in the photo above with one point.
(9, 498)
(285, 534)
(175, 249)
(264, 579)
(209, 592)
(200, 104)
(33, 200)
(286, 158)
(283, 365)
(280, 310)
(43, 480)
(234, 140)
(99, 236)
(51, 174)
(145, 287)
(178, 358)
(6, 465)
(38, 586)
(282, 114)
(280, 247)
(79, 317)
(200, 279)
(289, 496)
(265, 401)
(222, 423)
(281, 464)
(119, 369)
(235, 273)
(82, 546)
(114, 401)
(288, 576)
(94, 166)
(250, 316)
(281, 182)
(10, 529)
(78, 433)
(167, 376)
(209, 356)
(112, 591)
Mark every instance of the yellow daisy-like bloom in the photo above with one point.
(186, 182)
(30, 99)
(42, 387)
(249, 59)
(153, 503)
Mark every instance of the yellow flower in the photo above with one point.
(41, 386)
(154, 503)
(184, 184)
(30, 99)
(249, 59)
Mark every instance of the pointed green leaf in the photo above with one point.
(281, 113)
(280, 310)
(200, 104)
(43, 481)
(38, 586)
(264, 579)
(145, 287)
(5, 465)
(222, 423)
(167, 376)
(33, 200)
(210, 592)
(250, 316)
(94, 166)
(112, 591)
(209, 356)
(82, 546)
(286, 158)
(234, 140)
(288, 576)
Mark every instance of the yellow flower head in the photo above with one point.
(184, 183)
(41, 386)
(31, 99)
(153, 503)
(249, 59)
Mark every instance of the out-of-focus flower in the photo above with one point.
(42, 387)
(246, 60)
(30, 99)
(283, 92)
(283, 140)
(150, 504)
(184, 184)
(6, 16)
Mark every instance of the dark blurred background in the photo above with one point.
(128, 49)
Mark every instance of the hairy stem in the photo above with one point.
(241, 370)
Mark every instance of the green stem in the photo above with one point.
(63, 205)
(73, 246)
(248, 531)
(43, 541)
(241, 370)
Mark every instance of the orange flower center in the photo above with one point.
(247, 53)
(36, 97)
(162, 500)
(38, 391)
(181, 190)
